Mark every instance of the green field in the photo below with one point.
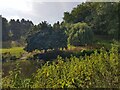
(14, 51)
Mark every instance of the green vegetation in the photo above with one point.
(80, 34)
(83, 51)
(98, 15)
(27, 67)
(14, 51)
(99, 70)
(46, 37)
(15, 30)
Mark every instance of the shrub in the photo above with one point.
(99, 70)
(15, 80)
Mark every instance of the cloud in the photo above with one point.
(15, 9)
(52, 11)
(34, 10)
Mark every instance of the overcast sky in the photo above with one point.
(35, 11)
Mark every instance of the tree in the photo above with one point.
(46, 37)
(59, 37)
(26, 26)
(15, 29)
(97, 15)
(78, 14)
(103, 21)
(68, 18)
(80, 34)
(40, 39)
(19, 28)
(5, 31)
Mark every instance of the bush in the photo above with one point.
(99, 70)
(15, 80)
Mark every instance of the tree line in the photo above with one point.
(15, 29)
(79, 27)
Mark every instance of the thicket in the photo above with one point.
(99, 70)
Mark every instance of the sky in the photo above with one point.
(36, 10)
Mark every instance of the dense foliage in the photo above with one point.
(46, 37)
(89, 25)
(98, 15)
(99, 70)
(80, 34)
(15, 30)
